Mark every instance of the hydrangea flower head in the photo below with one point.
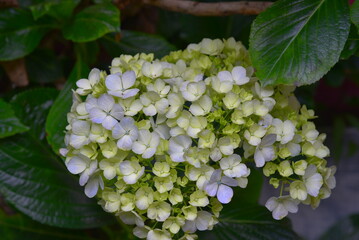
(162, 143)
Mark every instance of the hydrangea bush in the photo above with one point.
(163, 143)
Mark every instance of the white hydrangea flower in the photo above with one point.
(126, 132)
(220, 83)
(219, 185)
(153, 103)
(161, 169)
(313, 180)
(178, 146)
(160, 87)
(298, 190)
(120, 85)
(146, 144)
(209, 46)
(285, 130)
(199, 199)
(192, 91)
(232, 166)
(152, 70)
(94, 183)
(105, 111)
(158, 234)
(202, 106)
(265, 151)
(237, 76)
(159, 211)
(131, 106)
(144, 197)
(131, 171)
(201, 175)
(281, 206)
(82, 165)
(80, 134)
(176, 102)
(173, 224)
(85, 85)
(204, 221)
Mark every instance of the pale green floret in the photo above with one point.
(269, 169)
(285, 169)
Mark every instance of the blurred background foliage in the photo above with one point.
(45, 46)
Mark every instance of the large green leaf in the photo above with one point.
(36, 182)
(93, 22)
(56, 120)
(19, 33)
(298, 41)
(60, 9)
(135, 42)
(344, 229)
(354, 13)
(9, 123)
(250, 222)
(31, 106)
(17, 227)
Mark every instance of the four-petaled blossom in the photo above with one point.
(232, 166)
(120, 85)
(131, 171)
(105, 111)
(281, 206)
(126, 132)
(219, 185)
(82, 165)
(85, 85)
(313, 180)
(178, 146)
(146, 144)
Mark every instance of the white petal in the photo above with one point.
(76, 165)
(97, 115)
(224, 194)
(128, 79)
(130, 93)
(91, 187)
(211, 189)
(225, 76)
(83, 83)
(109, 122)
(125, 143)
(106, 102)
(113, 82)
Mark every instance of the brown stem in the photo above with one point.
(210, 9)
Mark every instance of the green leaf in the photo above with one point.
(250, 194)
(250, 222)
(19, 33)
(9, 123)
(16, 227)
(60, 9)
(43, 66)
(352, 45)
(135, 42)
(31, 106)
(36, 182)
(344, 229)
(354, 14)
(298, 41)
(93, 22)
(56, 120)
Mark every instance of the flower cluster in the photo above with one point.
(162, 143)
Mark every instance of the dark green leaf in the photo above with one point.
(354, 13)
(135, 42)
(31, 106)
(250, 194)
(93, 22)
(345, 229)
(56, 120)
(250, 222)
(9, 123)
(17, 227)
(298, 41)
(60, 9)
(352, 45)
(35, 181)
(43, 67)
(19, 33)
